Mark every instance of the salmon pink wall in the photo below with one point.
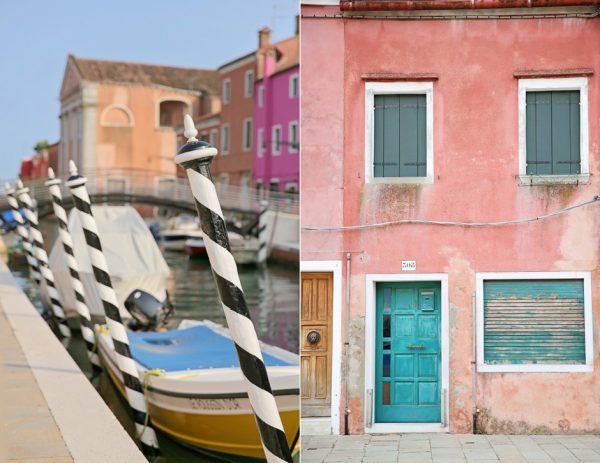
(476, 169)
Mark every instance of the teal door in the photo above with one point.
(408, 353)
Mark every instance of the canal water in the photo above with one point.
(271, 295)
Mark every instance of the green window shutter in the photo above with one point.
(552, 139)
(400, 136)
(534, 322)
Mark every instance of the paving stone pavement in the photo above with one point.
(450, 448)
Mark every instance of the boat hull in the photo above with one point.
(217, 423)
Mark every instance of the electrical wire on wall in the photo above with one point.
(455, 223)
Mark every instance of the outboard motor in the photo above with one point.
(149, 314)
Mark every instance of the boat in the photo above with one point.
(132, 255)
(196, 392)
(178, 231)
(243, 249)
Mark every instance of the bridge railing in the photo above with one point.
(166, 187)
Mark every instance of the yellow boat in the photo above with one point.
(195, 390)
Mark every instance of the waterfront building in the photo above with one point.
(121, 116)
(480, 115)
(276, 110)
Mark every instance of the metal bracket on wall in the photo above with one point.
(370, 409)
(444, 399)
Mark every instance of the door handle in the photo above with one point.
(416, 346)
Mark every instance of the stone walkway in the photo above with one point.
(450, 448)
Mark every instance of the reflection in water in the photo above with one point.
(271, 295)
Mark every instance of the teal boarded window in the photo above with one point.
(534, 322)
(400, 136)
(553, 133)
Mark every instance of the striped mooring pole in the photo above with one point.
(24, 234)
(116, 328)
(195, 157)
(85, 319)
(263, 249)
(42, 257)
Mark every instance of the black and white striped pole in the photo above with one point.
(85, 319)
(24, 234)
(195, 157)
(116, 328)
(263, 249)
(37, 241)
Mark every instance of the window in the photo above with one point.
(214, 133)
(276, 140)
(534, 322)
(223, 183)
(260, 142)
(226, 91)
(274, 185)
(225, 139)
(261, 96)
(171, 113)
(247, 134)
(203, 136)
(399, 132)
(249, 84)
(293, 137)
(294, 86)
(291, 187)
(553, 131)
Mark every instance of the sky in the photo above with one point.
(37, 35)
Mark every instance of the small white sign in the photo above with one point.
(409, 265)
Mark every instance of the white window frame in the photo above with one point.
(213, 137)
(291, 148)
(274, 151)
(548, 85)
(295, 77)
(245, 133)
(261, 96)
(226, 95)
(260, 142)
(482, 367)
(274, 180)
(225, 129)
(291, 184)
(397, 88)
(248, 86)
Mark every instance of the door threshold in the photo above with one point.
(315, 426)
(386, 428)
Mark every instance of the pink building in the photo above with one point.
(450, 328)
(276, 115)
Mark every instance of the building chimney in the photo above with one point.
(263, 37)
(297, 28)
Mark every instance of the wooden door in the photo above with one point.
(315, 343)
(408, 353)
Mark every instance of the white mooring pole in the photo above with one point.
(85, 320)
(263, 239)
(195, 157)
(24, 234)
(116, 328)
(42, 257)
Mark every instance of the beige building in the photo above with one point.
(120, 116)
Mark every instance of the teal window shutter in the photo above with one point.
(400, 136)
(534, 322)
(552, 140)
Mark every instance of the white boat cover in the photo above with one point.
(133, 257)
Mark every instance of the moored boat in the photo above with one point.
(196, 392)
(243, 249)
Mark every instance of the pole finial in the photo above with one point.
(51, 175)
(190, 130)
(73, 168)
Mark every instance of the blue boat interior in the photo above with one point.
(199, 347)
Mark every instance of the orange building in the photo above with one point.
(120, 116)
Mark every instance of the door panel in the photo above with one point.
(408, 353)
(315, 347)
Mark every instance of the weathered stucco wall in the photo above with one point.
(476, 165)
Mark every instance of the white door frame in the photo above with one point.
(370, 337)
(335, 267)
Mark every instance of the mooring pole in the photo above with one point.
(116, 328)
(195, 157)
(85, 319)
(24, 234)
(263, 248)
(40, 253)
